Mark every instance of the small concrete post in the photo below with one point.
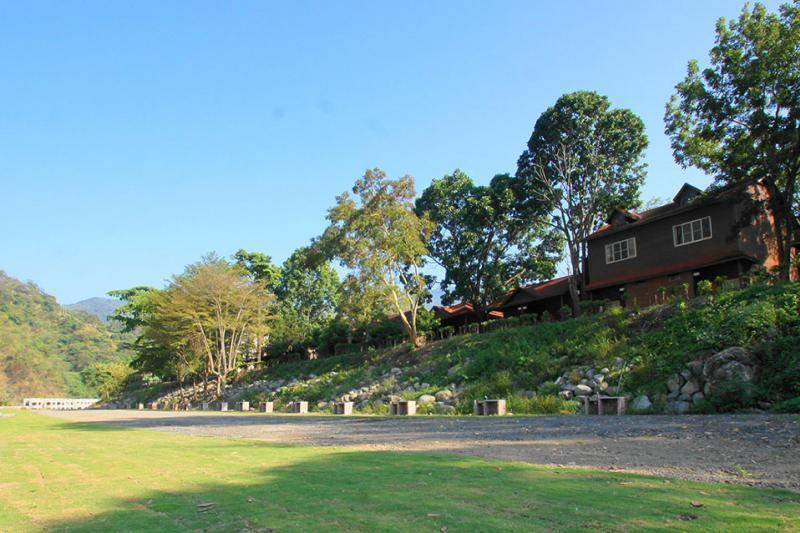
(343, 408)
(243, 406)
(300, 407)
(223, 406)
(266, 407)
(404, 408)
(140, 406)
(489, 407)
(204, 406)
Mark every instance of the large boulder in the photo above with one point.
(426, 398)
(641, 403)
(582, 390)
(690, 387)
(444, 396)
(732, 364)
(675, 382)
(695, 367)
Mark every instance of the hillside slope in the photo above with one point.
(44, 347)
(99, 307)
(635, 351)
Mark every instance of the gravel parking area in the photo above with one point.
(749, 449)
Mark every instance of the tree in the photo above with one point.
(138, 304)
(377, 233)
(154, 346)
(308, 293)
(260, 267)
(739, 118)
(203, 319)
(583, 160)
(481, 241)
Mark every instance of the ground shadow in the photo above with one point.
(368, 491)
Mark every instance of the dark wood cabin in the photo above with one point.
(698, 236)
(541, 298)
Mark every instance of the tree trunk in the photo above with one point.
(574, 295)
(784, 225)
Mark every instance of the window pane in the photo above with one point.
(706, 223)
(697, 232)
(678, 234)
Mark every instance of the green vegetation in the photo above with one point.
(44, 348)
(89, 477)
(583, 160)
(376, 233)
(737, 118)
(517, 362)
(483, 247)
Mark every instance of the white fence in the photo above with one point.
(59, 403)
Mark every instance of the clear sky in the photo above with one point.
(137, 136)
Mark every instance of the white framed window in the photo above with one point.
(692, 231)
(621, 250)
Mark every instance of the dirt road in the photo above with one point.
(750, 449)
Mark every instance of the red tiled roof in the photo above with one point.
(460, 309)
(695, 262)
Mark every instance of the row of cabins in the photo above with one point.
(635, 257)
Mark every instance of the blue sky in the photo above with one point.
(137, 136)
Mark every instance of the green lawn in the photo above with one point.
(63, 476)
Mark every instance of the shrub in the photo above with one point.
(541, 405)
(788, 406)
(730, 396)
(705, 288)
(548, 388)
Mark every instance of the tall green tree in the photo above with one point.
(481, 240)
(213, 309)
(376, 232)
(260, 267)
(137, 304)
(308, 295)
(739, 118)
(584, 158)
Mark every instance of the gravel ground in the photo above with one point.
(748, 449)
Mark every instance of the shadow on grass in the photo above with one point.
(385, 491)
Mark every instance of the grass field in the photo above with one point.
(88, 477)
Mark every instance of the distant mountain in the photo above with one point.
(45, 347)
(99, 307)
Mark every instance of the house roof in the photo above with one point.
(444, 311)
(676, 206)
(537, 291)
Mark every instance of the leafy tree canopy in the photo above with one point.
(583, 159)
(260, 267)
(481, 241)
(377, 233)
(739, 118)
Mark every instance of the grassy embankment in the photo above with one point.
(654, 342)
(94, 477)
